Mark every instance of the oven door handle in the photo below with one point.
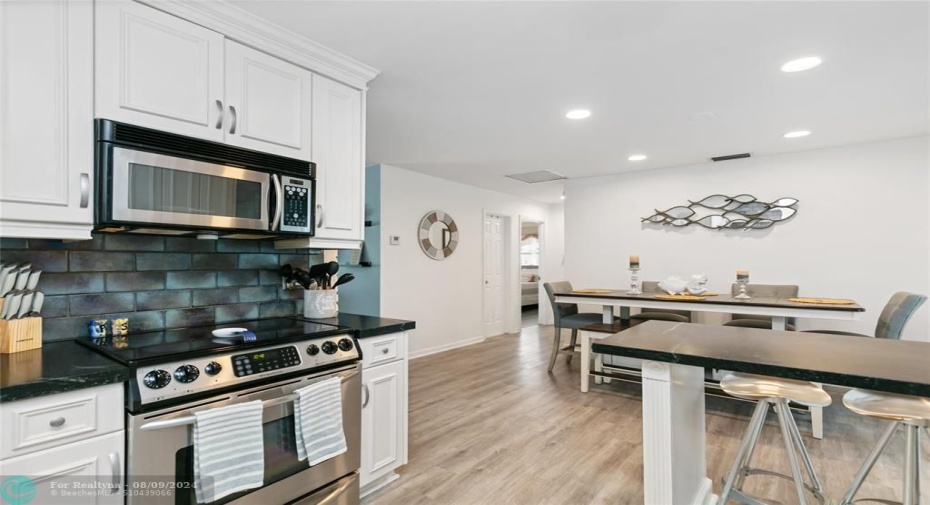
(181, 421)
(336, 493)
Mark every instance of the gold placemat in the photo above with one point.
(823, 301)
(591, 291)
(679, 297)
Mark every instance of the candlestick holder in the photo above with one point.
(742, 290)
(634, 282)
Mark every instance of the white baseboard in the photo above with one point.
(445, 347)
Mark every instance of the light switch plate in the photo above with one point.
(395, 240)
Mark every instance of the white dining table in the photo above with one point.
(779, 309)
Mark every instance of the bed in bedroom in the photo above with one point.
(529, 286)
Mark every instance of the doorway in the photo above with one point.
(531, 295)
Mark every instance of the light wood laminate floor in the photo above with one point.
(488, 425)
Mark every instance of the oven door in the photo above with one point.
(156, 189)
(161, 456)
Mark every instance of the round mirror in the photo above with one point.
(438, 234)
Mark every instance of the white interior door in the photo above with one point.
(493, 275)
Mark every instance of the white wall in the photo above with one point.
(553, 257)
(861, 230)
(443, 297)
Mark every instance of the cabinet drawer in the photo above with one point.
(383, 349)
(40, 423)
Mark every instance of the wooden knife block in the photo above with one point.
(17, 335)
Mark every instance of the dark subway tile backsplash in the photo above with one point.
(156, 282)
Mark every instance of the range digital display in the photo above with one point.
(269, 355)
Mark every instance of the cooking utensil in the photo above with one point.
(7, 279)
(11, 305)
(26, 305)
(344, 279)
(37, 302)
(33, 280)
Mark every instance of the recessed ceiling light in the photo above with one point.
(578, 114)
(637, 157)
(801, 64)
(794, 135)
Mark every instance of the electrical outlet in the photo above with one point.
(395, 240)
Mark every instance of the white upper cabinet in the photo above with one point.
(268, 103)
(166, 73)
(337, 151)
(46, 119)
(159, 71)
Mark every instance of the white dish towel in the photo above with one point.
(318, 421)
(229, 453)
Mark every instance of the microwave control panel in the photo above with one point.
(297, 205)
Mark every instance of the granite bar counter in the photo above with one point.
(675, 355)
(57, 367)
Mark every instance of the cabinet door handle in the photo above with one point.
(117, 470)
(219, 114)
(319, 216)
(57, 422)
(232, 126)
(367, 395)
(385, 350)
(85, 190)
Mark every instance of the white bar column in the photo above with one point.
(674, 459)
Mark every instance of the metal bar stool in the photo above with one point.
(910, 412)
(776, 392)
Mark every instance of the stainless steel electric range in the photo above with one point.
(175, 373)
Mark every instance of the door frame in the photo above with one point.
(510, 273)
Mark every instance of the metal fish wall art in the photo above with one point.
(740, 212)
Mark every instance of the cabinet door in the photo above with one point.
(268, 103)
(337, 151)
(46, 112)
(158, 71)
(96, 465)
(384, 414)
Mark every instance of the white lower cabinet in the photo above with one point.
(64, 448)
(384, 410)
(88, 472)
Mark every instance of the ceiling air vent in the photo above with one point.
(731, 157)
(535, 177)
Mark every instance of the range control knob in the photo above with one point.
(186, 373)
(212, 368)
(313, 350)
(345, 344)
(156, 379)
(329, 347)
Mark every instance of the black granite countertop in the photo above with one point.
(57, 367)
(64, 366)
(895, 366)
(370, 326)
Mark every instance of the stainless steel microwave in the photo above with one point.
(154, 182)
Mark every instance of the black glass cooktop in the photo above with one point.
(169, 345)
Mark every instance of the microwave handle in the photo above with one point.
(279, 202)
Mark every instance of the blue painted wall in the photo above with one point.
(363, 295)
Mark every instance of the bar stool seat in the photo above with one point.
(910, 412)
(759, 387)
(893, 407)
(772, 392)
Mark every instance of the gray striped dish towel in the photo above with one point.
(318, 421)
(229, 452)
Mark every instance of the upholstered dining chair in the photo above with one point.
(678, 316)
(767, 290)
(566, 315)
(892, 320)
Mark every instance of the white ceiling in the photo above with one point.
(471, 91)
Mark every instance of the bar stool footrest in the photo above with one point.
(742, 497)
